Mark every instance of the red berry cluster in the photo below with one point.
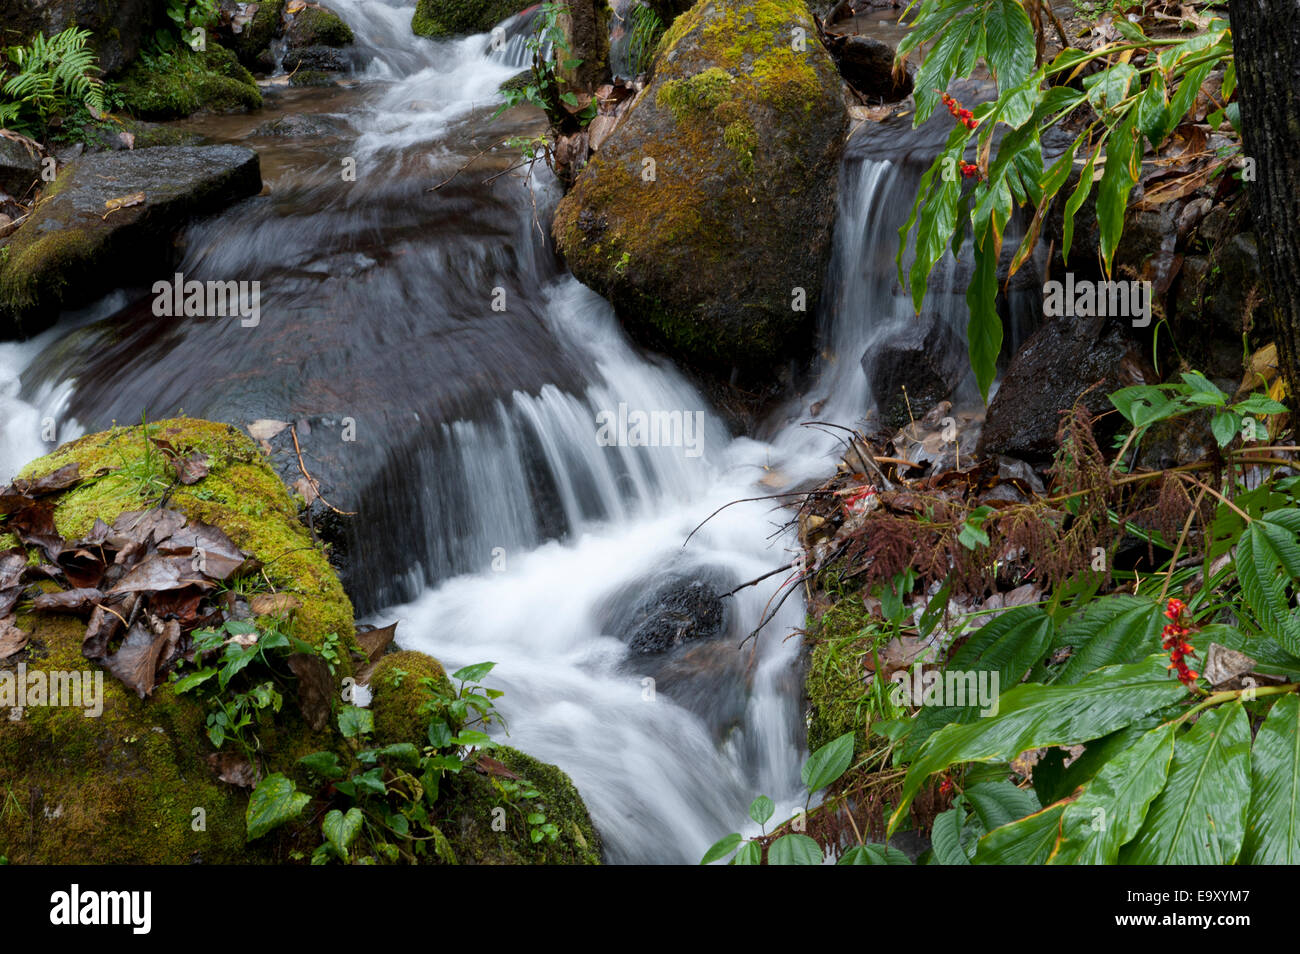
(946, 786)
(1175, 640)
(970, 170)
(964, 116)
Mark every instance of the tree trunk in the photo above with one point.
(1266, 44)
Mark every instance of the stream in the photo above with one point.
(492, 524)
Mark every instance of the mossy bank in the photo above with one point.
(136, 783)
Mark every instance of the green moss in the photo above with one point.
(468, 809)
(260, 31)
(184, 81)
(440, 18)
(742, 138)
(311, 78)
(241, 495)
(38, 270)
(400, 696)
(316, 27)
(842, 637)
(696, 94)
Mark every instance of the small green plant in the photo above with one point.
(646, 30)
(48, 77)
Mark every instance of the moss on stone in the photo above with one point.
(468, 809)
(441, 18)
(401, 696)
(260, 31)
(241, 494)
(315, 26)
(311, 78)
(696, 94)
(836, 680)
(182, 82)
(41, 269)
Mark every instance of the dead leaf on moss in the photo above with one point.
(273, 604)
(234, 768)
(12, 639)
(315, 688)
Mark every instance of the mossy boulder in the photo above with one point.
(76, 246)
(184, 81)
(440, 18)
(133, 784)
(317, 26)
(706, 216)
(256, 36)
(401, 695)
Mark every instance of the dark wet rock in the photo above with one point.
(927, 358)
(706, 215)
(19, 167)
(1061, 361)
(867, 64)
(679, 612)
(76, 246)
(320, 59)
(1215, 296)
(255, 35)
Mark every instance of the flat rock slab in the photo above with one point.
(93, 231)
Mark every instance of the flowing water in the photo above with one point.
(493, 524)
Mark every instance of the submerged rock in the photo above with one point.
(706, 215)
(77, 245)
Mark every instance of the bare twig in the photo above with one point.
(293, 432)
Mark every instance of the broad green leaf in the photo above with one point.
(1273, 824)
(275, 801)
(794, 850)
(828, 763)
(945, 839)
(1010, 43)
(403, 753)
(761, 808)
(355, 721)
(984, 327)
(1109, 87)
(1199, 818)
(1111, 809)
(1076, 200)
(341, 829)
(721, 848)
(749, 854)
(324, 764)
(1268, 562)
(1120, 174)
(472, 674)
(1112, 630)
(1028, 841)
(873, 855)
(188, 682)
(1000, 803)
(1032, 716)
(1224, 426)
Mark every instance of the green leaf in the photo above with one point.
(1000, 803)
(749, 854)
(761, 809)
(355, 721)
(1225, 426)
(340, 829)
(472, 737)
(1111, 631)
(721, 848)
(1259, 404)
(1268, 561)
(1273, 824)
(1200, 816)
(439, 734)
(1010, 49)
(873, 855)
(1028, 841)
(1120, 174)
(472, 674)
(945, 838)
(274, 801)
(324, 764)
(403, 753)
(828, 763)
(1032, 716)
(188, 682)
(1076, 200)
(984, 327)
(1107, 88)
(1111, 809)
(794, 850)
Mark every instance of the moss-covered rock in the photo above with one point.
(439, 18)
(132, 784)
(75, 246)
(711, 205)
(182, 82)
(316, 26)
(401, 695)
(486, 826)
(257, 34)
